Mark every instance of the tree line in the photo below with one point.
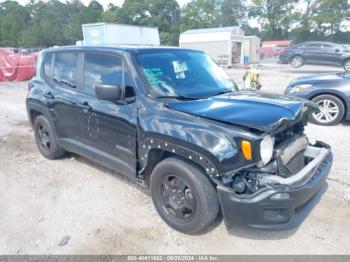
(48, 23)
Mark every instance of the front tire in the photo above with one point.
(45, 139)
(183, 196)
(331, 110)
(297, 61)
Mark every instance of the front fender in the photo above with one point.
(338, 89)
(212, 145)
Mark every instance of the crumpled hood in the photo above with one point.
(315, 79)
(264, 112)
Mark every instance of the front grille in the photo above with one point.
(290, 156)
(297, 163)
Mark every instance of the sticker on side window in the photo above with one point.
(153, 75)
(180, 68)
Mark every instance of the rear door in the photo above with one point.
(106, 126)
(332, 54)
(61, 73)
(312, 53)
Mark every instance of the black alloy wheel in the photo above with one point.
(45, 139)
(177, 197)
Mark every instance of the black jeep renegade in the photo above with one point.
(173, 120)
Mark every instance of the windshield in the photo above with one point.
(181, 73)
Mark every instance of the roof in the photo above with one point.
(212, 30)
(120, 48)
(114, 24)
(278, 43)
(319, 42)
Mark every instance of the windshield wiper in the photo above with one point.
(222, 93)
(61, 82)
(179, 97)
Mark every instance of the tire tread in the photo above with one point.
(203, 184)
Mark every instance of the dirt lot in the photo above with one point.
(43, 201)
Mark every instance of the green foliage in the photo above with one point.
(274, 16)
(43, 23)
(232, 13)
(163, 14)
(301, 20)
(14, 18)
(200, 14)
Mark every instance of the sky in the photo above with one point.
(104, 2)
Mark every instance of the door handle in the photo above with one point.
(85, 107)
(48, 94)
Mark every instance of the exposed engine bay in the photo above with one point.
(293, 161)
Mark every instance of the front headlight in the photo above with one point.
(266, 149)
(298, 88)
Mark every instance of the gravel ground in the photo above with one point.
(72, 206)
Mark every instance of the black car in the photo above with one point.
(330, 91)
(171, 119)
(316, 53)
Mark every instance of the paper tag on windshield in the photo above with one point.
(180, 68)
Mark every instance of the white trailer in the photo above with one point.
(118, 34)
(225, 45)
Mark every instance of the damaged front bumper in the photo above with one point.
(284, 202)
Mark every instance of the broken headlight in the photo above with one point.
(266, 149)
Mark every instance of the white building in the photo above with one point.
(225, 45)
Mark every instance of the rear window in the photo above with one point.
(47, 64)
(65, 69)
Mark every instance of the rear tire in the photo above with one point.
(331, 110)
(45, 139)
(346, 65)
(297, 61)
(183, 196)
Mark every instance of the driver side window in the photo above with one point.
(101, 69)
(106, 69)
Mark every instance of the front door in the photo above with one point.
(107, 126)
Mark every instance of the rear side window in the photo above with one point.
(328, 47)
(102, 69)
(65, 69)
(47, 64)
(313, 46)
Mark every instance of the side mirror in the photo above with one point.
(108, 92)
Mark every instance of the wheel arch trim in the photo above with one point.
(189, 152)
(42, 110)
